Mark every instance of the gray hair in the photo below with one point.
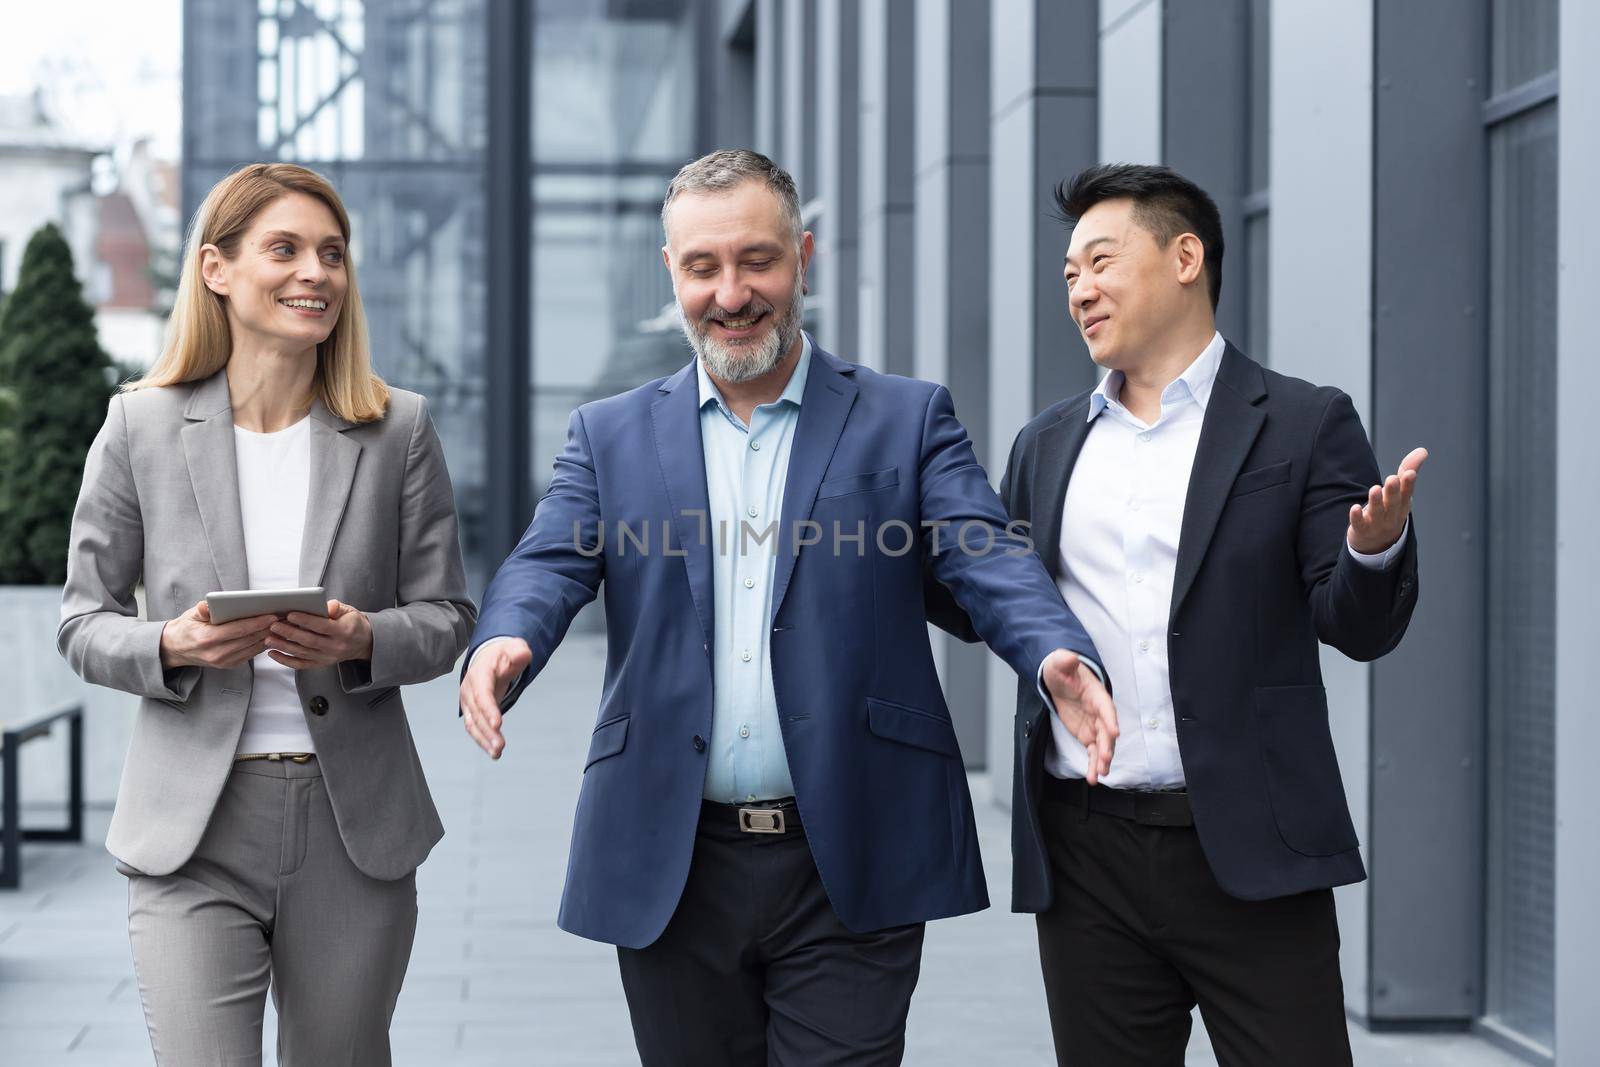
(727, 168)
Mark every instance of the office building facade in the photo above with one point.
(1403, 188)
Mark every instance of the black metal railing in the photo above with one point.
(11, 832)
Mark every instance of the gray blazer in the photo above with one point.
(160, 499)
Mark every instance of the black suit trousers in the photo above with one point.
(1140, 932)
(756, 970)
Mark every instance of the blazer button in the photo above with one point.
(319, 705)
(699, 743)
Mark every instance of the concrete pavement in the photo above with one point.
(492, 980)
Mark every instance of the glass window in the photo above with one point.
(1520, 950)
(614, 99)
(1525, 41)
(389, 102)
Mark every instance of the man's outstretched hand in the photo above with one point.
(494, 668)
(1084, 708)
(1377, 525)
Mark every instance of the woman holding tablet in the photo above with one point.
(272, 811)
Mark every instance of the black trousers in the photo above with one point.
(1140, 932)
(756, 969)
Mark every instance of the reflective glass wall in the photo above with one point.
(389, 101)
(614, 117)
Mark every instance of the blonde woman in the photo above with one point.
(272, 811)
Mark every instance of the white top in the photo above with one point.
(274, 481)
(1118, 555)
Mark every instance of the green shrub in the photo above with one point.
(55, 379)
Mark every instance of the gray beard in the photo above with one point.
(749, 360)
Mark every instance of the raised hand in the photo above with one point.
(303, 641)
(1378, 525)
(193, 640)
(494, 667)
(1084, 708)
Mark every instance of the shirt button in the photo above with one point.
(1137, 578)
(744, 731)
(749, 583)
(1153, 724)
(1144, 646)
(745, 655)
(1145, 436)
(752, 511)
(755, 446)
(1133, 505)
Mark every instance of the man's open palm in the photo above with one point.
(494, 667)
(1084, 708)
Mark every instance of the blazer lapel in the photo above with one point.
(333, 470)
(675, 423)
(1057, 447)
(824, 408)
(208, 452)
(1232, 421)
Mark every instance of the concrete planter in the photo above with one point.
(35, 680)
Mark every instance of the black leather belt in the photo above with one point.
(1146, 809)
(777, 817)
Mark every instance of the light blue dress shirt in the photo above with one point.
(746, 470)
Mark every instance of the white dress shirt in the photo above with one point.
(1118, 553)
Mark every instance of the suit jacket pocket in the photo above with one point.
(859, 483)
(610, 737)
(1261, 478)
(1303, 783)
(912, 726)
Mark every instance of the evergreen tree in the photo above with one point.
(56, 379)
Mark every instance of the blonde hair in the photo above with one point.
(198, 342)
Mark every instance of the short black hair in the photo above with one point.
(1164, 202)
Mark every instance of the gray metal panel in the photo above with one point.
(799, 96)
(1205, 135)
(508, 366)
(838, 143)
(1425, 844)
(888, 122)
(1577, 519)
(951, 196)
(1045, 67)
(769, 80)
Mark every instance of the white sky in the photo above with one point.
(111, 69)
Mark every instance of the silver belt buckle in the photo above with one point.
(761, 820)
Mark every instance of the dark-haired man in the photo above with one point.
(1209, 522)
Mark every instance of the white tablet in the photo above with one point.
(243, 603)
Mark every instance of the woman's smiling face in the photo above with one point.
(287, 282)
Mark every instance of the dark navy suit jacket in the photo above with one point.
(877, 772)
(1262, 576)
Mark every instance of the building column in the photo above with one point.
(888, 121)
(951, 279)
(1205, 111)
(1130, 79)
(1321, 311)
(798, 145)
(1577, 927)
(1044, 68)
(834, 270)
(770, 79)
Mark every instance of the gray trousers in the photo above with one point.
(270, 897)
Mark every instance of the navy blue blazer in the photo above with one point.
(877, 772)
